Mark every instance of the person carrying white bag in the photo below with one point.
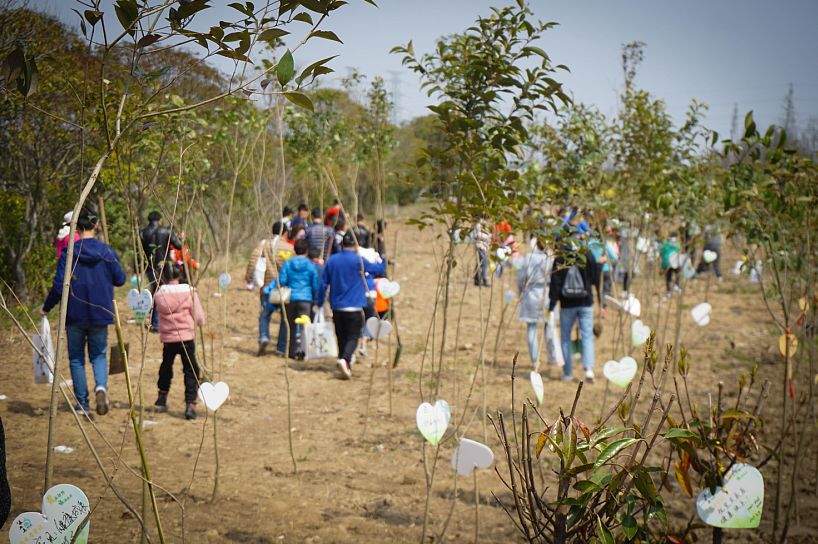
(42, 354)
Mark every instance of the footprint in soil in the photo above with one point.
(24, 408)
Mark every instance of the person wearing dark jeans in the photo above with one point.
(348, 325)
(344, 276)
(300, 274)
(5, 491)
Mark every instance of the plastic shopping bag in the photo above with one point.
(42, 354)
(552, 342)
(319, 340)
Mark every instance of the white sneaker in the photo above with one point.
(102, 400)
(362, 349)
(344, 367)
(589, 376)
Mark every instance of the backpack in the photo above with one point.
(573, 287)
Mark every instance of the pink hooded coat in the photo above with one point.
(179, 312)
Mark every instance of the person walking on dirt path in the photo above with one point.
(344, 276)
(341, 229)
(61, 241)
(94, 270)
(482, 242)
(302, 217)
(606, 254)
(334, 213)
(364, 237)
(713, 242)
(157, 243)
(179, 312)
(532, 285)
(260, 273)
(287, 218)
(301, 276)
(669, 251)
(320, 237)
(572, 284)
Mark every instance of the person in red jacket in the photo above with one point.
(179, 312)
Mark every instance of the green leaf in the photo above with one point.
(93, 16)
(304, 17)
(285, 69)
(186, 10)
(602, 533)
(613, 449)
(272, 34)
(680, 433)
(127, 12)
(586, 486)
(299, 99)
(325, 34)
(629, 526)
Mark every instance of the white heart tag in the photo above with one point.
(470, 455)
(65, 513)
(140, 303)
(213, 395)
(632, 306)
(432, 421)
(639, 333)
(620, 372)
(701, 313)
(709, 256)
(737, 268)
(536, 383)
(738, 503)
(378, 328)
(642, 245)
(387, 288)
(676, 260)
(224, 281)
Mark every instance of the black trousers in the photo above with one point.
(189, 366)
(295, 309)
(348, 327)
(670, 275)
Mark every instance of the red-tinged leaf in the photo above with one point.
(683, 477)
(148, 39)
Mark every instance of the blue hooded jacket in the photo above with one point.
(96, 271)
(343, 277)
(301, 276)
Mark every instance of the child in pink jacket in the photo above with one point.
(179, 313)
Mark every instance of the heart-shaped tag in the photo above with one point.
(224, 281)
(632, 306)
(140, 303)
(701, 313)
(738, 503)
(709, 256)
(64, 518)
(378, 328)
(387, 288)
(676, 260)
(620, 372)
(737, 268)
(433, 421)
(213, 395)
(639, 333)
(537, 385)
(642, 245)
(470, 455)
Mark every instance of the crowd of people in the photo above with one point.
(559, 286)
(310, 259)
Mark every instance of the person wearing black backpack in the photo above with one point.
(572, 282)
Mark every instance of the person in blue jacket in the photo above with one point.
(300, 274)
(344, 276)
(94, 272)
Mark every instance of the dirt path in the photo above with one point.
(349, 487)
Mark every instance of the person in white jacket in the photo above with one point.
(532, 285)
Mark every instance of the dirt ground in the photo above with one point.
(359, 478)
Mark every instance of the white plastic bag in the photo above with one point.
(319, 340)
(261, 268)
(43, 355)
(553, 347)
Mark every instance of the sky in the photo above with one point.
(724, 53)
